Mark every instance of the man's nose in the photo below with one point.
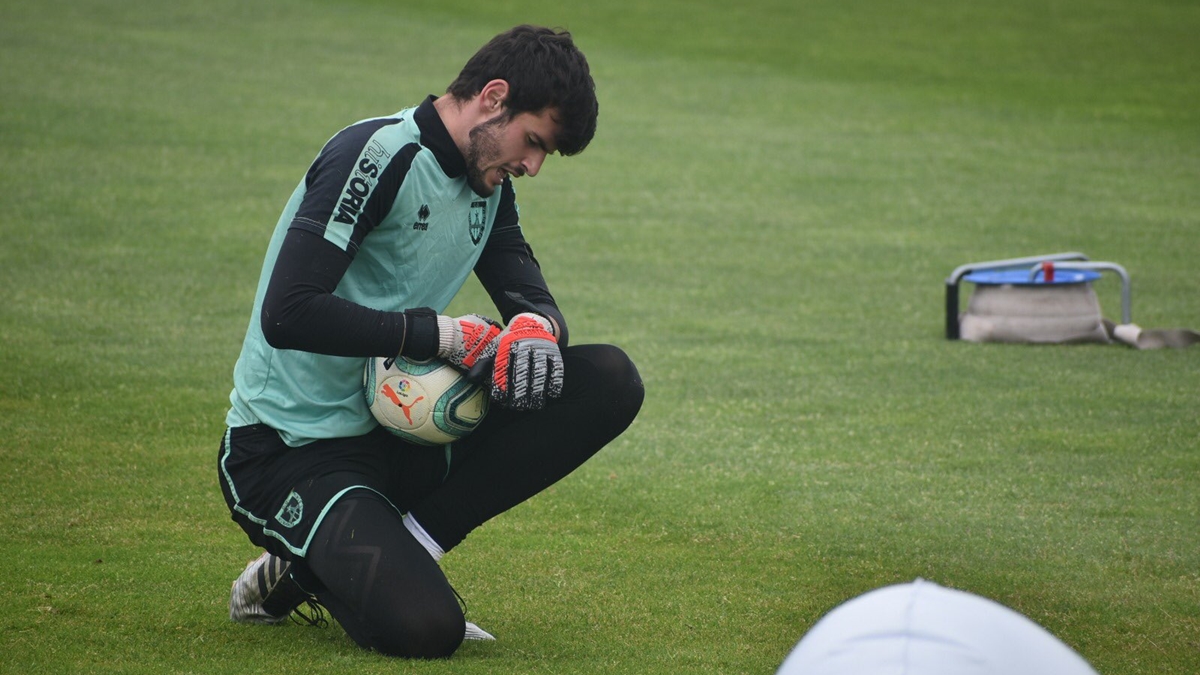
(533, 163)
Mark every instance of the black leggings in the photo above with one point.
(381, 584)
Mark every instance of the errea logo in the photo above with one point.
(362, 180)
(422, 223)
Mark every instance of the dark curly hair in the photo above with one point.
(543, 69)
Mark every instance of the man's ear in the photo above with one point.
(492, 97)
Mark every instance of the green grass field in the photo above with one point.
(763, 222)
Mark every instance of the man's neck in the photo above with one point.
(457, 118)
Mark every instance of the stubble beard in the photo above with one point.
(483, 147)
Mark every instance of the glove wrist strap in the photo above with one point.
(420, 340)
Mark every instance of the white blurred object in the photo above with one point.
(922, 628)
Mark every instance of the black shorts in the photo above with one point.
(279, 494)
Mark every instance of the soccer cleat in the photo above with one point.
(265, 592)
(474, 632)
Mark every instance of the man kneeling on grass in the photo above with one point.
(350, 516)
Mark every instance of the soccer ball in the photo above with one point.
(425, 402)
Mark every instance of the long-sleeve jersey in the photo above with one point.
(383, 221)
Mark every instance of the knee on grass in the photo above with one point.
(418, 634)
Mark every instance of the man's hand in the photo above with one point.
(466, 340)
(529, 368)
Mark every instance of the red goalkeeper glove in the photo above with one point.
(467, 339)
(528, 369)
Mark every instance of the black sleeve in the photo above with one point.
(353, 181)
(301, 312)
(509, 272)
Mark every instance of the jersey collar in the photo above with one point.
(435, 137)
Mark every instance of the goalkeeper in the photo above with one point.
(389, 220)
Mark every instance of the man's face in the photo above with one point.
(504, 146)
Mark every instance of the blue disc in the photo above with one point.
(1020, 277)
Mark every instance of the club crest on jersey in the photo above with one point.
(478, 220)
(362, 180)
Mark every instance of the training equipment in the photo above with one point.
(265, 592)
(528, 367)
(922, 628)
(1038, 299)
(424, 402)
(1047, 299)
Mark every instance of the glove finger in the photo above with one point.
(554, 378)
(481, 372)
(535, 391)
(547, 380)
(523, 377)
(501, 370)
(507, 378)
(502, 379)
